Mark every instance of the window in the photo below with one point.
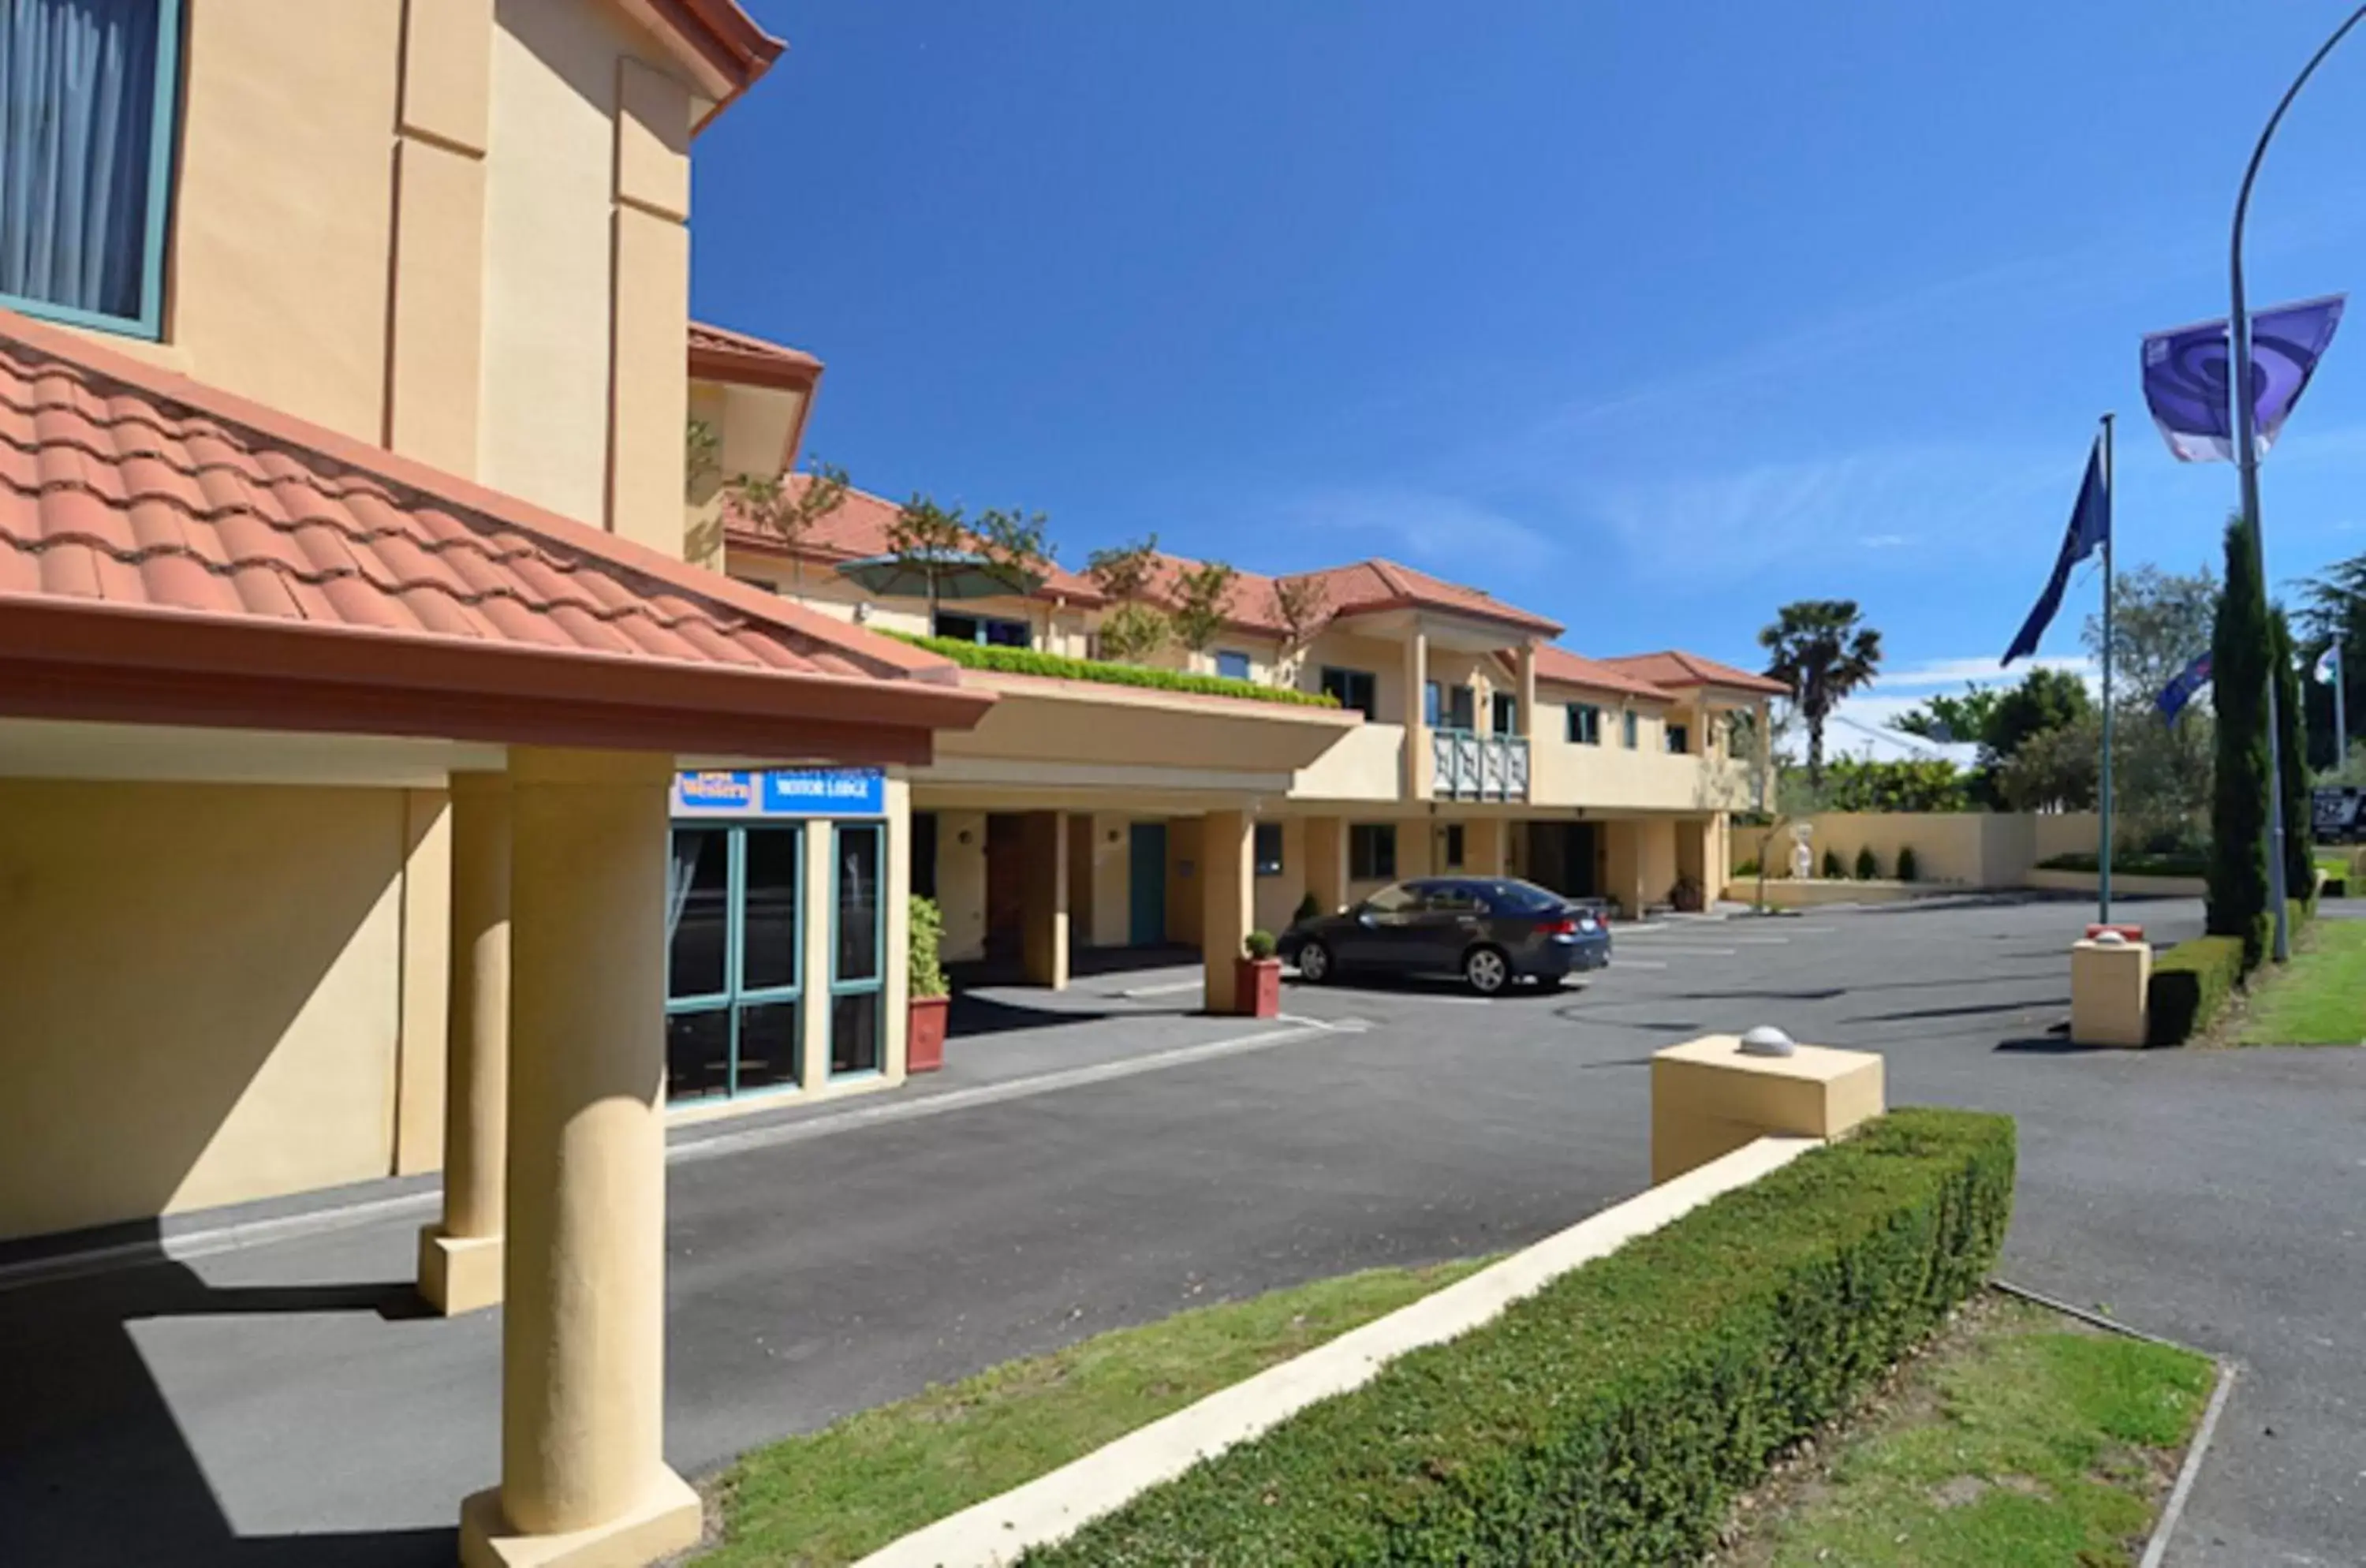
(1679, 738)
(1268, 849)
(1585, 725)
(1449, 707)
(1232, 664)
(1371, 850)
(990, 631)
(1454, 846)
(1354, 688)
(1630, 728)
(1452, 899)
(87, 95)
(856, 973)
(1397, 900)
(1507, 713)
(732, 978)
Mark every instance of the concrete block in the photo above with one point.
(667, 1519)
(459, 1273)
(2110, 983)
(1708, 1098)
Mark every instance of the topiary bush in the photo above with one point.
(1868, 864)
(1258, 945)
(1832, 868)
(924, 949)
(1612, 1418)
(2190, 983)
(1909, 869)
(1747, 868)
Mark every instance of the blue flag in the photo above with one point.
(2186, 375)
(2090, 527)
(2181, 689)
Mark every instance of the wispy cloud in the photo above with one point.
(1446, 532)
(1931, 673)
(1882, 541)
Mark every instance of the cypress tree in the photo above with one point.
(2239, 802)
(2292, 719)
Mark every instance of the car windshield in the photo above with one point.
(1394, 900)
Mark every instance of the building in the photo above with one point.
(1079, 813)
(350, 663)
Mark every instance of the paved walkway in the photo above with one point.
(276, 1404)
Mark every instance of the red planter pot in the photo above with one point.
(924, 1042)
(1257, 987)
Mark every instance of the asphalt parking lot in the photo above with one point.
(1105, 1157)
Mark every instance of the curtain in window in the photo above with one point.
(77, 109)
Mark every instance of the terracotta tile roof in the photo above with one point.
(1676, 670)
(1558, 664)
(142, 515)
(1367, 586)
(718, 354)
(717, 39)
(858, 527)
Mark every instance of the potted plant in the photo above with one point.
(1687, 895)
(924, 1048)
(1257, 977)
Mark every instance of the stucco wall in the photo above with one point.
(200, 995)
(960, 883)
(1974, 848)
(1111, 869)
(1275, 897)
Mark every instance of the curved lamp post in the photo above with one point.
(2246, 462)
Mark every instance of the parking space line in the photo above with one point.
(1636, 963)
(1690, 951)
(1175, 987)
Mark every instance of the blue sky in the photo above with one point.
(1647, 317)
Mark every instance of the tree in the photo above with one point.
(2334, 607)
(2160, 772)
(1960, 720)
(785, 508)
(2046, 700)
(928, 539)
(1123, 571)
(1202, 595)
(2299, 817)
(2239, 798)
(1924, 784)
(1823, 650)
(1012, 548)
(2054, 769)
(1132, 632)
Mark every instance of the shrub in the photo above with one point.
(1258, 945)
(925, 947)
(2190, 983)
(1612, 1416)
(1308, 908)
(1028, 661)
(1747, 868)
(2180, 863)
(1832, 865)
(1908, 870)
(1868, 864)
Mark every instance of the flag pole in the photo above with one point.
(2104, 795)
(2340, 705)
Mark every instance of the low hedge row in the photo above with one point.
(1613, 1417)
(2132, 864)
(1028, 661)
(2192, 981)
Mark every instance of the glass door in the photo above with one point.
(857, 973)
(734, 972)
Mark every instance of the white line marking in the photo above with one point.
(1682, 948)
(1636, 963)
(2158, 1549)
(258, 1233)
(1175, 987)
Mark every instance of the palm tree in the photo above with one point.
(1822, 650)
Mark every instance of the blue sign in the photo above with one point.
(783, 792)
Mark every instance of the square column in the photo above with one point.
(583, 1479)
(460, 1258)
(1327, 862)
(1044, 917)
(1528, 674)
(1710, 1098)
(1420, 766)
(1227, 892)
(2111, 985)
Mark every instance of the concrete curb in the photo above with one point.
(1055, 1505)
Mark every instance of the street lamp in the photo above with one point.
(2247, 461)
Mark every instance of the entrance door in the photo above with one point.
(1578, 849)
(1147, 885)
(1006, 886)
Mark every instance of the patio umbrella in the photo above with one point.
(936, 575)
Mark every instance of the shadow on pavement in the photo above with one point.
(95, 1471)
(971, 1015)
(2025, 1005)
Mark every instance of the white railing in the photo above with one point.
(1466, 766)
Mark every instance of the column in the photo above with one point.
(583, 1480)
(649, 384)
(1043, 937)
(1760, 728)
(1227, 887)
(1327, 862)
(460, 1258)
(1419, 765)
(1527, 671)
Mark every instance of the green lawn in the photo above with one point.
(843, 1492)
(2018, 1441)
(2319, 998)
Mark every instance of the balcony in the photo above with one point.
(1467, 766)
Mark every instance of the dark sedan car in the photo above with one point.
(1489, 930)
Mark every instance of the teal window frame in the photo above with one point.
(164, 114)
(1372, 851)
(877, 983)
(733, 1000)
(1358, 689)
(1505, 717)
(1585, 725)
(1631, 729)
(1679, 740)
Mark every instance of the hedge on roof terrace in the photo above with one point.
(1027, 661)
(1614, 1416)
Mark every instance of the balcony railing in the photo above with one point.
(1466, 766)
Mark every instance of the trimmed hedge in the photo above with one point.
(2133, 864)
(1613, 1417)
(1027, 661)
(2190, 983)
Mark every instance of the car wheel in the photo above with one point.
(1486, 971)
(1315, 963)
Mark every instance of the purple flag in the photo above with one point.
(2185, 377)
